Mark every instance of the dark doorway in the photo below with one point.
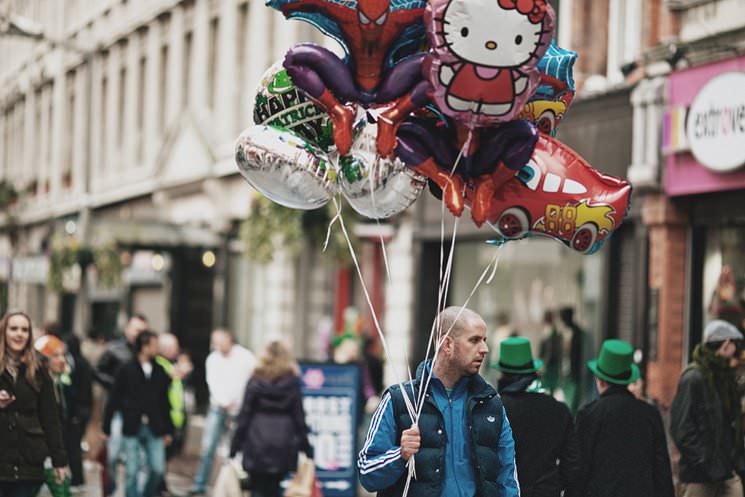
(191, 311)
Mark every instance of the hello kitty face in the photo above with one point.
(483, 33)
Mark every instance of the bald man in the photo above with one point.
(462, 441)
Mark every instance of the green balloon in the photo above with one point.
(279, 103)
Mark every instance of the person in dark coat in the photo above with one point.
(30, 428)
(118, 353)
(79, 406)
(706, 417)
(140, 393)
(622, 440)
(546, 446)
(271, 429)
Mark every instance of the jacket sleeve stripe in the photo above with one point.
(374, 423)
(380, 462)
(366, 465)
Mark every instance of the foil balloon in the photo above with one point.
(375, 187)
(546, 108)
(558, 194)
(285, 167)
(281, 104)
(482, 64)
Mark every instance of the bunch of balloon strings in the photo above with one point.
(437, 337)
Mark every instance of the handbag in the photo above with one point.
(304, 483)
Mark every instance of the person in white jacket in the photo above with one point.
(229, 367)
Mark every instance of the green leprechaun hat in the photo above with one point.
(615, 363)
(515, 357)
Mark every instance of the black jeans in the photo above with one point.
(265, 484)
(19, 488)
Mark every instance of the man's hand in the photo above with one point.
(104, 436)
(168, 440)
(5, 399)
(411, 439)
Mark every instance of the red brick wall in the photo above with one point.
(667, 225)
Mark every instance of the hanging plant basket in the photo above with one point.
(271, 227)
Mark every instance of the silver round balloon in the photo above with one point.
(285, 168)
(376, 188)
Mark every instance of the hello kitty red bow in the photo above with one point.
(534, 9)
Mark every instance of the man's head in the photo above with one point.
(168, 346)
(723, 338)
(221, 341)
(136, 324)
(146, 345)
(462, 335)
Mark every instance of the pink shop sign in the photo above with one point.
(704, 129)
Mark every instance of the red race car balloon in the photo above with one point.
(558, 194)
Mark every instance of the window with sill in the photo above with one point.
(624, 36)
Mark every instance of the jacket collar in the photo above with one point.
(616, 390)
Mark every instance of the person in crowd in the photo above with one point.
(79, 408)
(78, 391)
(52, 351)
(622, 439)
(706, 417)
(177, 370)
(271, 429)
(118, 352)
(577, 385)
(546, 446)
(462, 440)
(228, 368)
(30, 428)
(140, 393)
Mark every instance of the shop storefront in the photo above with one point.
(705, 140)
(697, 225)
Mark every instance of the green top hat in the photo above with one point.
(515, 357)
(615, 363)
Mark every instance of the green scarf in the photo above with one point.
(720, 376)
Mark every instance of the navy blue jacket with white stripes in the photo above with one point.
(467, 448)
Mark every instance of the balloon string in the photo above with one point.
(376, 172)
(340, 218)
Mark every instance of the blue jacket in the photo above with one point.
(467, 447)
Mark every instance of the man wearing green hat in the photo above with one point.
(542, 426)
(621, 438)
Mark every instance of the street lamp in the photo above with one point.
(14, 25)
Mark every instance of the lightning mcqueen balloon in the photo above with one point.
(558, 194)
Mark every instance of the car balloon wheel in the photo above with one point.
(584, 238)
(513, 223)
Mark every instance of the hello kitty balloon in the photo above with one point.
(483, 56)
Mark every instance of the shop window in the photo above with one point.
(724, 275)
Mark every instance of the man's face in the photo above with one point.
(222, 343)
(469, 348)
(57, 362)
(133, 328)
(151, 349)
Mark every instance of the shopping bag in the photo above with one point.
(304, 483)
(231, 480)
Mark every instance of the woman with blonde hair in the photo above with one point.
(271, 427)
(29, 417)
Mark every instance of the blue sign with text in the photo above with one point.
(330, 400)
